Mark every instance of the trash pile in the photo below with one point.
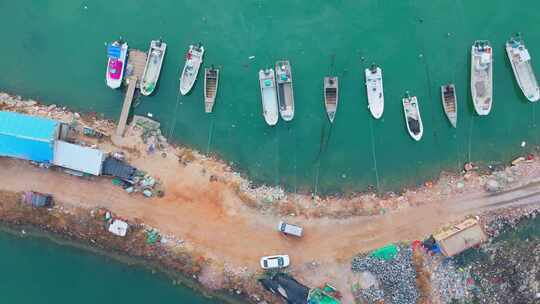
(450, 283)
(113, 224)
(143, 183)
(146, 184)
(264, 194)
(152, 236)
(150, 133)
(391, 273)
(507, 269)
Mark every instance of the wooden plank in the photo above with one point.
(128, 99)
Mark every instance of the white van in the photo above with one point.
(290, 229)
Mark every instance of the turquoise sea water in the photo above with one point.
(36, 270)
(54, 51)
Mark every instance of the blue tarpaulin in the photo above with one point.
(113, 51)
(27, 137)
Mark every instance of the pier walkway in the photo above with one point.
(128, 99)
(134, 71)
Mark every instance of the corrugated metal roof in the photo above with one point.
(26, 126)
(79, 158)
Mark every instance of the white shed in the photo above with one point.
(78, 158)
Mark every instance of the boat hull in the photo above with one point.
(152, 68)
(523, 72)
(112, 82)
(191, 69)
(482, 79)
(285, 90)
(449, 103)
(269, 99)
(331, 96)
(211, 83)
(375, 92)
(411, 110)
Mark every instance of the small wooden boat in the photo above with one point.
(152, 68)
(211, 82)
(331, 97)
(413, 120)
(267, 82)
(194, 59)
(482, 76)
(520, 59)
(375, 93)
(285, 90)
(117, 52)
(449, 102)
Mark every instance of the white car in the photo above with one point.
(275, 261)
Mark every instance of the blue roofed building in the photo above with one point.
(28, 137)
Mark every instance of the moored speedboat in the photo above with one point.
(331, 96)
(375, 93)
(267, 83)
(482, 76)
(285, 90)
(211, 82)
(413, 120)
(194, 59)
(152, 68)
(117, 52)
(520, 59)
(449, 102)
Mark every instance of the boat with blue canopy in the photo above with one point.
(117, 54)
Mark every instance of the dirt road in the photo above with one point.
(209, 216)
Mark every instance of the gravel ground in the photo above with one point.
(397, 278)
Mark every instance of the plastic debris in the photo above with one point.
(152, 236)
(148, 193)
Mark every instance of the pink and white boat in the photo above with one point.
(117, 53)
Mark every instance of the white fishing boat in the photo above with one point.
(413, 120)
(449, 102)
(267, 82)
(375, 93)
(194, 59)
(520, 59)
(152, 68)
(285, 90)
(211, 82)
(482, 76)
(117, 53)
(331, 96)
